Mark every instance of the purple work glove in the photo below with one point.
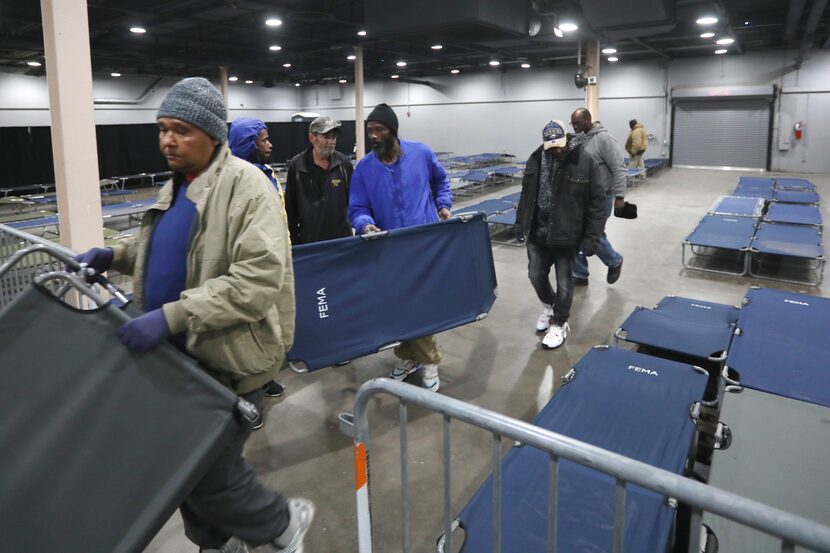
(99, 259)
(145, 332)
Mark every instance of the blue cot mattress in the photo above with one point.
(782, 346)
(614, 397)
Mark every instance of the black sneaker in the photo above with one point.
(579, 281)
(273, 389)
(614, 273)
(258, 421)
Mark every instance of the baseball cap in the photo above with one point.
(324, 124)
(553, 135)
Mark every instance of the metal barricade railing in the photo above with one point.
(24, 257)
(791, 529)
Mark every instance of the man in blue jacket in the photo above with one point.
(400, 184)
(248, 140)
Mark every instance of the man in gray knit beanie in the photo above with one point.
(196, 101)
(213, 275)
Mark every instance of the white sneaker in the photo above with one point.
(543, 322)
(430, 380)
(233, 545)
(404, 368)
(555, 336)
(291, 541)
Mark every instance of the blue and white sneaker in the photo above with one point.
(430, 380)
(404, 368)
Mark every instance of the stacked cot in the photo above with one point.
(705, 377)
(768, 228)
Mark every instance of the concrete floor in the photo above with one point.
(497, 364)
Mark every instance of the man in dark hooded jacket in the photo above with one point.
(248, 140)
(562, 212)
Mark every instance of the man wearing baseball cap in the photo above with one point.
(562, 212)
(317, 189)
(212, 272)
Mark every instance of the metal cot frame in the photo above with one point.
(791, 529)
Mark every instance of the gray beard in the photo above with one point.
(325, 152)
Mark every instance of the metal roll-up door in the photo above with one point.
(721, 133)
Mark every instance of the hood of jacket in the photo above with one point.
(638, 126)
(242, 138)
(596, 129)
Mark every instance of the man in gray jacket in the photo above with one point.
(612, 175)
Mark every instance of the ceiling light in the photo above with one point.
(436, 46)
(342, 81)
(296, 84)
(455, 71)
(275, 48)
(558, 32)
(746, 22)
(721, 51)
(707, 35)
(351, 57)
(401, 64)
(707, 20)
(525, 66)
(494, 63)
(609, 50)
(568, 27)
(233, 79)
(394, 76)
(724, 41)
(286, 65)
(361, 33)
(249, 82)
(115, 74)
(33, 63)
(273, 22)
(138, 30)
(612, 59)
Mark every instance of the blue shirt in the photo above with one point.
(166, 274)
(406, 193)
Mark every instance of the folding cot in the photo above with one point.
(759, 182)
(791, 253)
(796, 196)
(475, 179)
(514, 197)
(412, 282)
(488, 207)
(777, 454)
(798, 214)
(40, 222)
(691, 327)
(738, 206)
(718, 239)
(780, 346)
(109, 461)
(503, 223)
(635, 177)
(619, 400)
(125, 209)
(793, 184)
(752, 191)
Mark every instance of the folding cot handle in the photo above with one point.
(723, 436)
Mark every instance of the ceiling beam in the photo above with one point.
(660, 53)
(809, 37)
(793, 17)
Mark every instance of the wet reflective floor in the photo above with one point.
(496, 363)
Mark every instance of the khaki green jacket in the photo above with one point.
(637, 141)
(238, 307)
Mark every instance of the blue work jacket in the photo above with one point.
(406, 193)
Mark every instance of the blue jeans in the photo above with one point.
(605, 251)
(540, 260)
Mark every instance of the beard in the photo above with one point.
(263, 158)
(381, 147)
(325, 152)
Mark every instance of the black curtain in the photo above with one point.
(26, 152)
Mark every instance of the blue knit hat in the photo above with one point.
(194, 100)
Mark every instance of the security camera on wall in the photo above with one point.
(580, 80)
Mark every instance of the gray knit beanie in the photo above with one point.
(196, 101)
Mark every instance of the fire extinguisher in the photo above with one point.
(798, 129)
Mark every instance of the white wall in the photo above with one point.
(498, 111)
(24, 100)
